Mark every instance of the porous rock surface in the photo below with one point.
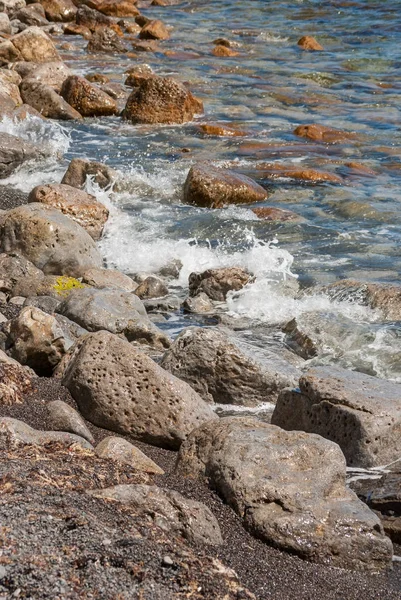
(50, 240)
(169, 510)
(113, 310)
(210, 187)
(362, 414)
(216, 283)
(121, 389)
(289, 489)
(211, 362)
(88, 99)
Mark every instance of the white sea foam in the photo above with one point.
(48, 135)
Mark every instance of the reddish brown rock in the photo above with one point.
(59, 10)
(144, 45)
(81, 207)
(45, 100)
(275, 170)
(216, 283)
(117, 8)
(137, 73)
(79, 169)
(154, 30)
(94, 20)
(221, 50)
(161, 100)
(359, 169)
(271, 213)
(86, 98)
(75, 29)
(320, 133)
(106, 40)
(221, 130)
(211, 187)
(307, 42)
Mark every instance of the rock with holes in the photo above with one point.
(62, 417)
(81, 207)
(210, 187)
(169, 510)
(216, 283)
(80, 169)
(121, 389)
(14, 152)
(216, 367)
(19, 432)
(122, 451)
(116, 311)
(161, 100)
(50, 240)
(34, 45)
(15, 381)
(106, 40)
(362, 414)
(289, 489)
(36, 339)
(88, 99)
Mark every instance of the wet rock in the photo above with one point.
(386, 298)
(109, 278)
(221, 130)
(122, 451)
(138, 72)
(34, 45)
(200, 303)
(299, 341)
(45, 303)
(62, 417)
(271, 213)
(121, 389)
(221, 50)
(59, 10)
(216, 367)
(289, 489)
(32, 15)
(50, 240)
(154, 30)
(15, 269)
(93, 19)
(14, 152)
(362, 414)
(81, 207)
(75, 29)
(20, 433)
(275, 170)
(87, 98)
(216, 283)
(79, 169)
(52, 74)
(151, 287)
(15, 381)
(145, 45)
(160, 100)
(117, 8)
(106, 40)
(320, 133)
(45, 99)
(210, 187)
(115, 311)
(169, 510)
(5, 26)
(307, 42)
(35, 339)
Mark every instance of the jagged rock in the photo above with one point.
(20, 433)
(15, 381)
(14, 152)
(49, 239)
(362, 414)
(62, 417)
(94, 20)
(160, 100)
(154, 30)
(122, 451)
(299, 340)
(151, 287)
(106, 40)
(52, 74)
(216, 283)
(210, 187)
(289, 489)
(59, 10)
(86, 98)
(79, 169)
(9, 86)
(34, 45)
(32, 15)
(116, 311)
(15, 269)
(45, 303)
(47, 101)
(81, 207)
(121, 389)
(108, 278)
(200, 303)
(213, 364)
(169, 510)
(138, 72)
(35, 339)
(386, 298)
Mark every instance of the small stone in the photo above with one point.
(307, 42)
(3, 571)
(17, 300)
(167, 561)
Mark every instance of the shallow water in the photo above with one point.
(351, 229)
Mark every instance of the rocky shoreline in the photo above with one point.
(118, 479)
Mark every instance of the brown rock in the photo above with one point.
(8, 53)
(86, 98)
(117, 8)
(62, 417)
(320, 133)
(271, 213)
(20, 433)
(221, 130)
(75, 29)
(137, 73)
(8, 89)
(145, 45)
(386, 298)
(211, 187)
(94, 20)
(97, 78)
(151, 287)
(79, 169)
(45, 100)
(52, 286)
(122, 451)
(32, 15)
(221, 50)
(160, 100)
(81, 207)
(59, 10)
(15, 381)
(14, 152)
(216, 283)
(106, 40)
(154, 30)
(274, 170)
(34, 45)
(307, 42)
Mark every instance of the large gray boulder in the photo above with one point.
(167, 509)
(213, 364)
(289, 489)
(49, 239)
(14, 152)
(362, 414)
(116, 311)
(121, 389)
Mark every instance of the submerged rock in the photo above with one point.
(321, 133)
(289, 489)
(80, 169)
(307, 42)
(386, 298)
(121, 389)
(362, 414)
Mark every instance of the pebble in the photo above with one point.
(167, 561)
(3, 572)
